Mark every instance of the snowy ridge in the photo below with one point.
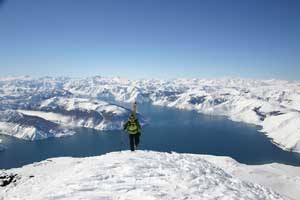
(58, 116)
(29, 127)
(81, 112)
(127, 175)
(274, 105)
(284, 179)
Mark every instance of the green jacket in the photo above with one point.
(132, 127)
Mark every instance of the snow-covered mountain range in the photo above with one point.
(272, 104)
(37, 109)
(145, 175)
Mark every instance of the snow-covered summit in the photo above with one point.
(130, 175)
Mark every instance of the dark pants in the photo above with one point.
(134, 140)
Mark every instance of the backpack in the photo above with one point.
(132, 127)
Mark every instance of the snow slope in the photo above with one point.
(29, 127)
(81, 112)
(284, 179)
(130, 175)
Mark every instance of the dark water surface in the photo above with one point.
(168, 130)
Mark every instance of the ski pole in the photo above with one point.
(123, 142)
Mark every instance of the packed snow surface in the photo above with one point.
(284, 179)
(130, 175)
(274, 105)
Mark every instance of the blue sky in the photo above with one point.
(150, 38)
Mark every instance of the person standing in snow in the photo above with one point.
(133, 127)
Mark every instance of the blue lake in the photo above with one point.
(168, 130)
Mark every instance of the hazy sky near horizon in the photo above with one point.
(150, 38)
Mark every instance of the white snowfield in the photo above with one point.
(131, 175)
(274, 105)
(284, 179)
